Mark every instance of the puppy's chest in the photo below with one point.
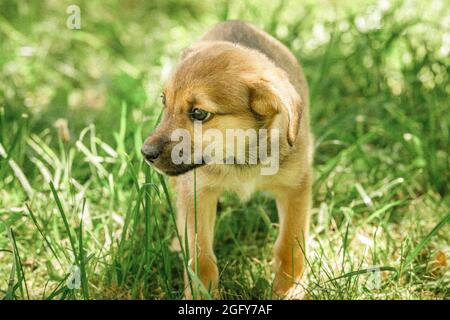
(244, 186)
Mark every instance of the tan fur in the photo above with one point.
(247, 79)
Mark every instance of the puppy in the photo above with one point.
(237, 77)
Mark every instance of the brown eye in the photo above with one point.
(199, 114)
(163, 99)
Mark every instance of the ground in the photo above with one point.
(82, 217)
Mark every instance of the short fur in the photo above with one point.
(247, 79)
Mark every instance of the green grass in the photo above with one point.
(380, 115)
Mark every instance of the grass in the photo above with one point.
(81, 217)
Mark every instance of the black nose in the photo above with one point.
(151, 151)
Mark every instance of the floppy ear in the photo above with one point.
(273, 93)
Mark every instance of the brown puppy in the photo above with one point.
(238, 77)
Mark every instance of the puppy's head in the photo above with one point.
(220, 86)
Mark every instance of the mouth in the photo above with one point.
(176, 170)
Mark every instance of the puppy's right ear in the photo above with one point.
(273, 93)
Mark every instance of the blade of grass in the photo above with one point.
(21, 276)
(64, 218)
(363, 271)
(185, 251)
(81, 257)
(33, 218)
(425, 240)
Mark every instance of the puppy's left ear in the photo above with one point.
(273, 93)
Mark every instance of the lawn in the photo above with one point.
(82, 217)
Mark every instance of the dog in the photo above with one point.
(237, 76)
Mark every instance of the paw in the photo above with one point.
(284, 288)
(203, 285)
(201, 293)
(296, 292)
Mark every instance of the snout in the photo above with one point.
(151, 151)
(157, 151)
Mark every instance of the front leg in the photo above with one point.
(195, 223)
(293, 204)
